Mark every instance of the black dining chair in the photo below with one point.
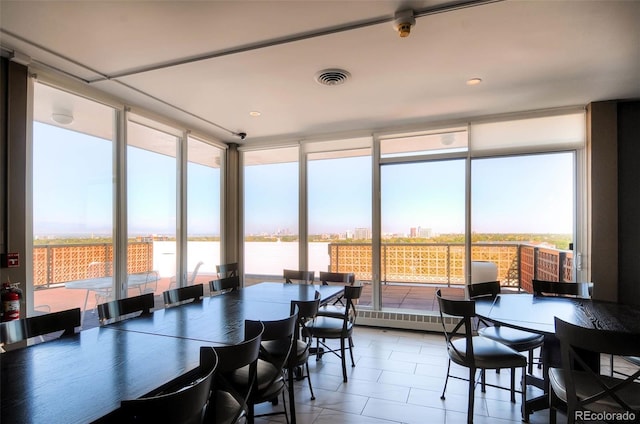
(273, 362)
(183, 294)
(336, 308)
(521, 341)
(185, 402)
(561, 289)
(477, 353)
(12, 332)
(235, 378)
(328, 327)
(224, 285)
(127, 306)
(583, 389)
(299, 277)
(307, 312)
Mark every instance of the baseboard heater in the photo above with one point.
(403, 320)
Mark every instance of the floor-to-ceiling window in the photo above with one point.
(271, 211)
(204, 185)
(422, 186)
(151, 205)
(73, 186)
(339, 207)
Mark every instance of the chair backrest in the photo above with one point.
(464, 310)
(185, 404)
(276, 342)
(234, 357)
(119, 307)
(182, 294)
(307, 311)
(294, 276)
(555, 288)
(224, 285)
(605, 390)
(39, 325)
(351, 294)
(227, 270)
(337, 277)
(487, 289)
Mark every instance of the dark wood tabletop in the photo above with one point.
(84, 377)
(536, 314)
(80, 378)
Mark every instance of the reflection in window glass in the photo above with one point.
(72, 200)
(203, 211)
(339, 203)
(270, 212)
(151, 202)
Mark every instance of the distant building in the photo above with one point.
(425, 232)
(362, 234)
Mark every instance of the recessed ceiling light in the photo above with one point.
(254, 113)
(474, 81)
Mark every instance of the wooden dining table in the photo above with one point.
(83, 378)
(536, 314)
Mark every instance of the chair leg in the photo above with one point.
(313, 397)
(353, 364)
(523, 383)
(446, 380)
(513, 385)
(284, 405)
(483, 381)
(344, 361)
(530, 365)
(472, 385)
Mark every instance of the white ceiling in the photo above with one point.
(529, 54)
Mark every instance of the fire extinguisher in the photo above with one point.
(11, 296)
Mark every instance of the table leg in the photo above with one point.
(292, 400)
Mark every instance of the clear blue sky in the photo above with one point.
(73, 183)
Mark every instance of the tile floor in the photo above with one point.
(398, 378)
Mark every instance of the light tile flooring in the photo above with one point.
(398, 378)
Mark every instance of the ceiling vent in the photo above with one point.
(332, 76)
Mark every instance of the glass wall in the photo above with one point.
(204, 185)
(73, 186)
(339, 210)
(523, 208)
(423, 231)
(271, 241)
(151, 207)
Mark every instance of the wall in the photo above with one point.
(629, 202)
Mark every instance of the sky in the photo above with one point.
(73, 192)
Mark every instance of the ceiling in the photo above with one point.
(208, 64)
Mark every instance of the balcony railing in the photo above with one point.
(415, 263)
(444, 263)
(58, 263)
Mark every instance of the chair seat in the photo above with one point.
(487, 354)
(334, 311)
(328, 327)
(225, 407)
(264, 376)
(586, 386)
(516, 339)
